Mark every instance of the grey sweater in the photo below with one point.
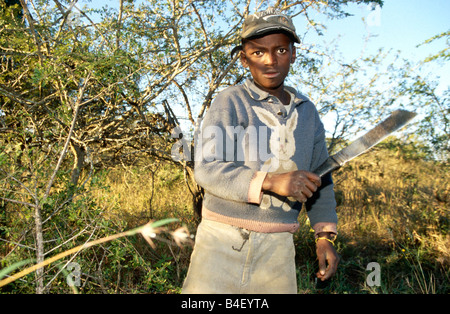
(247, 133)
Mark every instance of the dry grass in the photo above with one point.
(146, 193)
(387, 195)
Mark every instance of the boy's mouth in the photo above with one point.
(271, 74)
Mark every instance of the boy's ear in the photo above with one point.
(243, 59)
(294, 54)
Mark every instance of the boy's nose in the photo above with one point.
(270, 59)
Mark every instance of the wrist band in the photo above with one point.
(323, 238)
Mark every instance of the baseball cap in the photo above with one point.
(265, 22)
(268, 21)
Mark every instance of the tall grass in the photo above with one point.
(145, 192)
(393, 209)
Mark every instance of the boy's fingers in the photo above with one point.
(328, 261)
(330, 271)
(314, 178)
(322, 267)
(306, 184)
(309, 177)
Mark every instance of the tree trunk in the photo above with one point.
(39, 249)
(79, 154)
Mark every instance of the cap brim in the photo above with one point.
(271, 29)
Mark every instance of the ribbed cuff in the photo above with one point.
(255, 193)
(325, 227)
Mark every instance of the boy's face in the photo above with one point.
(268, 59)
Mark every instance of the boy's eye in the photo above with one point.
(282, 50)
(257, 53)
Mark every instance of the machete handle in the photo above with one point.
(329, 165)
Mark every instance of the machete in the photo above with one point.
(395, 121)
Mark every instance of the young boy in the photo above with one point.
(258, 144)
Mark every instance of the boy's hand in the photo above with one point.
(328, 259)
(297, 184)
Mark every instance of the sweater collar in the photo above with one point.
(258, 94)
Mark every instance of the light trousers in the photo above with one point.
(227, 259)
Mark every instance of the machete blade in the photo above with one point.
(395, 121)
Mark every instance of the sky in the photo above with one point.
(398, 25)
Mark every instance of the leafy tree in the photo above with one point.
(430, 102)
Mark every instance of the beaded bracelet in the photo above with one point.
(329, 240)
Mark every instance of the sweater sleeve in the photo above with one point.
(321, 208)
(218, 168)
